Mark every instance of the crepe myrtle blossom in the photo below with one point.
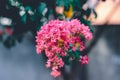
(58, 37)
(84, 59)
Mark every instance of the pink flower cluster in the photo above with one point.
(55, 39)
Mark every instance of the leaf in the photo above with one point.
(77, 54)
(66, 59)
(60, 3)
(78, 4)
(41, 8)
(32, 17)
(82, 2)
(86, 22)
(88, 12)
(60, 17)
(94, 12)
(24, 18)
(67, 4)
(27, 8)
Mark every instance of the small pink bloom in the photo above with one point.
(74, 48)
(49, 54)
(84, 59)
(55, 68)
(55, 73)
(82, 47)
(48, 64)
(63, 53)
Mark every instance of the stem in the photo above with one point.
(65, 74)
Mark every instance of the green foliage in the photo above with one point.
(88, 12)
(60, 2)
(24, 18)
(41, 8)
(30, 15)
(67, 60)
(71, 55)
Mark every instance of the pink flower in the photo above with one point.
(55, 62)
(82, 46)
(48, 64)
(74, 48)
(49, 54)
(55, 73)
(54, 68)
(84, 59)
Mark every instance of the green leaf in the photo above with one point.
(94, 12)
(67, 4)
(78, 4)
(82, 2)
(88, 12)
(67, 60)
(60, 17)
(71, 53)
(60, 3)
(24, 18)
(32, 17)
(77, 54)
(41, 8)
(27, 8)
(86, 22)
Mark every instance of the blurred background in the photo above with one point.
(20, 62)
